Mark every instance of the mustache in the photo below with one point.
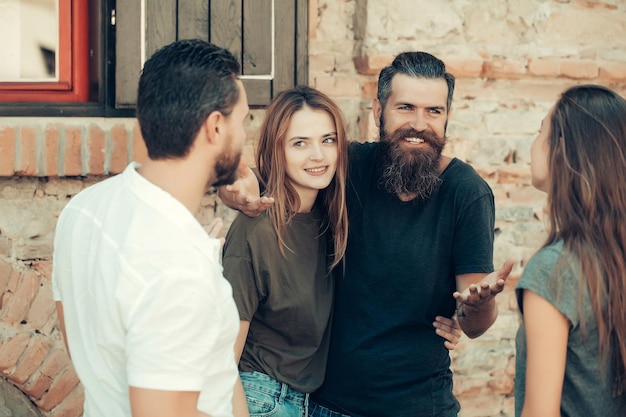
(426, 135)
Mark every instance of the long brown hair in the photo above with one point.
(587, 206)
(271, 164)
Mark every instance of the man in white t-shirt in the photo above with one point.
(148, 318)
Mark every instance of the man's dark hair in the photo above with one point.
(413, 64)
(180, 85)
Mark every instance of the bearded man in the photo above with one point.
(420, 247)
(420, 235)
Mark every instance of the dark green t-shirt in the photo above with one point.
(287, 299)
(586, 392)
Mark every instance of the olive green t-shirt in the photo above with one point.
(287, 299)
(586, 389)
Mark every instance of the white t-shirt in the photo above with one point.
(144, 299)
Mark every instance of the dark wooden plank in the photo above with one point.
(285, 45)
(193, 19)
(160, 24)
(302, 42)
(257, 37)
(225, 25)
(128, 60)
(258, 91)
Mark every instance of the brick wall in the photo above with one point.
(511, 58)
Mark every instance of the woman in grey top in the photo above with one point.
(571, 346)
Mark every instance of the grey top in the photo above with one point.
(586, 390)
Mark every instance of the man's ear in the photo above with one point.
(213, 126)
(377, 110)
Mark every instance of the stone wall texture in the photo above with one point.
(511, 57)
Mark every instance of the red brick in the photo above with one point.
(595, 4)
(72, 158)
(119, 152)
(51, 324)
(59, 389)
(12, 348)
(613, 71)
(7, 151)
(321, 63)
(370, 89)
(42, 308)
(464, 68)
(72, 405)
(501, 196)
(44, 268)
(53, 365)
(527, 195)
(481, 405)
(579, 69)
(504, 68)
(536, 89)
(51, 150)
(500, 383)
(19, 303)
(514, 174)
(33, 356)
(486, 172)
(5, 248)
(140, 153)
(37, 385)
(28, 158)
(14, 280)
(7, 295)
(339, 86)
(467, 387)
(544, 67)
(371, 65)
(5, 273)
(96, 149)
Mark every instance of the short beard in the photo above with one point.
(410, 172)
(226, 168)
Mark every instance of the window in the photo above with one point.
(48, 60)
(103, 44)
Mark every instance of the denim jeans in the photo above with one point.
(316, 410)
(267, 397)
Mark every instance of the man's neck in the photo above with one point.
(179, 178)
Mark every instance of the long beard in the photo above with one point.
(410, 172)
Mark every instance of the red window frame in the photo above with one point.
(73, 50)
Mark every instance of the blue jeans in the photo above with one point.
(316, 410)
(267, 397)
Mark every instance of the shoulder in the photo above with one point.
(245, 225)
(358, 151)
(361, 159)
(464, 184)
(460, 172)
(542, 263)
(246, 231)
(550, 273)
(464, 179)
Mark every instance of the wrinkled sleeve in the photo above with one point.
(238, 268)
